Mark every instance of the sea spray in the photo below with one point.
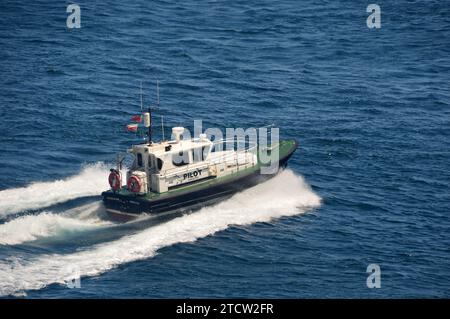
(92, 180)
(47, 224)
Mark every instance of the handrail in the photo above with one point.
(233, 139)
(226, 158)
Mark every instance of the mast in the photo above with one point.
(147, 119)
(148, 123)
(148, 116)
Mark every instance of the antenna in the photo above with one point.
(157, 92)
(162, 125)
(141, 98)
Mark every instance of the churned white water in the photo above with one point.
(92, 180)
(48, 224)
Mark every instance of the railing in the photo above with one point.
(233, 157)
(229, 156)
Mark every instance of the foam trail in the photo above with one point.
(284, 195)
(90, 181)
(47, 224)
(30, 227)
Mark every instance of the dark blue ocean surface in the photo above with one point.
(370, 108)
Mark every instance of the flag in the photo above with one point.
(132, 127)
(136, 118)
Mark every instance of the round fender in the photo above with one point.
(114, 180)
(134, 184)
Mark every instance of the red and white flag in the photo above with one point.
(136, 118)
(132, 127)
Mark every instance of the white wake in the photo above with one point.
(47, 224)
(285, 195)
(92, 180)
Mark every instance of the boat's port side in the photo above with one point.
(195, 194)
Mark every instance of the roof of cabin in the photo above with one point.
(159, 148)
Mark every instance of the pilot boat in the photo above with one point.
(186, 174)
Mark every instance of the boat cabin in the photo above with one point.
(161, 166)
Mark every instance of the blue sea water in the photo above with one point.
(369, 107)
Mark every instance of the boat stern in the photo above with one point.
(124, 204)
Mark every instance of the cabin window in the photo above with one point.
(217, 147)
(199, 154)
(139, 159)
(159, 163)
(181, 158)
